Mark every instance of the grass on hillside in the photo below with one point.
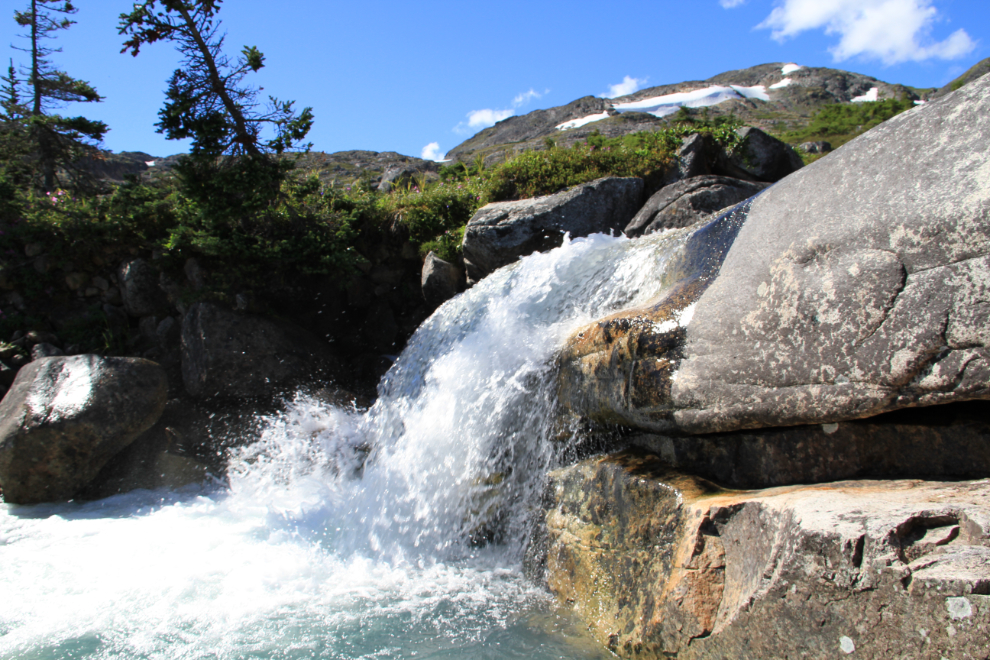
(838, 123)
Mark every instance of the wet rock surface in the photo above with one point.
(663, 564)
(236, 355)
(501, 232)
(618, 369)
(64, 418)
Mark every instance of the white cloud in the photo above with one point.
(892, 31)
(627, 86)
(479, 119)
(729, 4)
(432, 152)
(525, 97)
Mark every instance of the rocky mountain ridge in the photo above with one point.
(793, 94)
(772, 97)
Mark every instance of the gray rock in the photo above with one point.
(148, 327)
(139, 289)
(820, 147)
(661, 564)
(501, 232)
(398, 176)
(693, 157)
(44, 350)
(689, 202)
(441, 280)
(759, 157)
(194, 274)
(65, 417)
(230, 354)
(116, 316)
(938, 442)
(854, 287)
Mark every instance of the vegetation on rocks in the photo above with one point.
(838, 123)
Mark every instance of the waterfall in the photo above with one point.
(393, 532)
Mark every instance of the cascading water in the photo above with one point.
(393, 533)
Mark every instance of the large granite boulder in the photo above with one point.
(236, 355)
(689, 202)
(660, 564)
(64, 418)
(501, 232)
(855, 286)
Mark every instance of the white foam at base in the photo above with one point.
(313, 551)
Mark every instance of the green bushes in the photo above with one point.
(841, 122)
(260, 242)
(536, 173)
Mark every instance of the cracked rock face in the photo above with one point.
(858, 285)
(661, 564)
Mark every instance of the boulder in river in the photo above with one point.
(64, 418)
(501, 232)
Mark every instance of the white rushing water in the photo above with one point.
(345, 534)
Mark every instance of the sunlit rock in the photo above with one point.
(689, 202)
(855, 286)
(661, 564)
(64, 418)
(501, 232)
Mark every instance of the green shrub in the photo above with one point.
(535, 173)
(838, 123)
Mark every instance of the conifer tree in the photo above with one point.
(55, 141)
(235, 141)
(13, 129)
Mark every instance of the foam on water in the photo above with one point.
(342, 534)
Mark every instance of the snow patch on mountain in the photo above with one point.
(871, 95)
(661, 106)
(577, 123)
(790, 68)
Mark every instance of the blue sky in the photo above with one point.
(400, 76)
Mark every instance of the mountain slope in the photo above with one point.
(774, 97)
